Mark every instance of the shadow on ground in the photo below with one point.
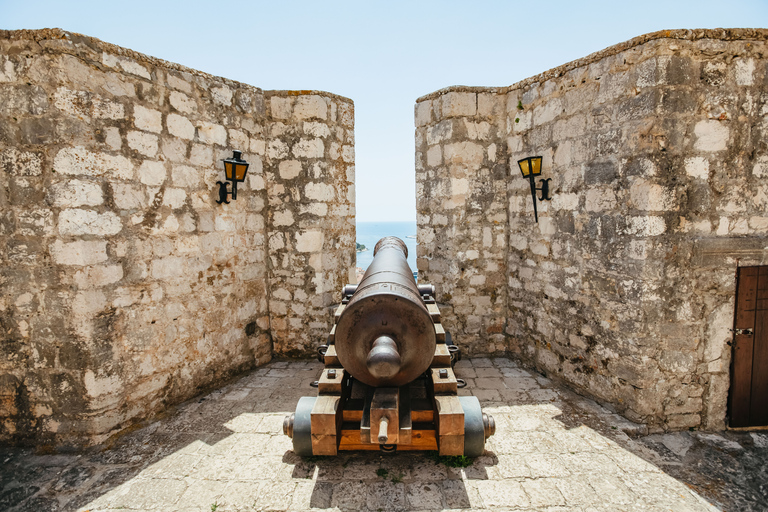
(553, 450)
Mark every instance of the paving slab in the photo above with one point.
(553, 451)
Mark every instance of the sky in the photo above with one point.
(382, 55)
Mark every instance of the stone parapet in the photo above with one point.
(126, 287)
(625, 287)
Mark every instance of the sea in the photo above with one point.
(368, 233)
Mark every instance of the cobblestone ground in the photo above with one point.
(553, 450)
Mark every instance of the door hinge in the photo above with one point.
(747, 332)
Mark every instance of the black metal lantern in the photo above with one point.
(530, 167)
(235, 168)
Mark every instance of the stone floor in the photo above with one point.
(553, 450)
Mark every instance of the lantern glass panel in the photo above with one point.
(228, 169)
(240, 170)
(536, 165)
(525, 166)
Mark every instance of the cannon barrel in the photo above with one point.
(385, 336)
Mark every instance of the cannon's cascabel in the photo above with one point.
(385, 336)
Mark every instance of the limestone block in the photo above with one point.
(310, 241)
(281, 107)
(434, 156)
(469, 154)
(477, 131)
(423, 113)
(697, 167)
(112, 137)
(651, 197)
(456, 104)
(490, 104)
(186, 176)
(277, 149)
(256, 181)
(79, 253)
(222, 95)
(225, 222)
(129, 197)
(88, 222)
(348, 153)
(152, 173)
(289, 169)
(346, 114)
(174, 149)
(600, 199)
(711, 135)
(522, 121)
(760, 170)
(96, 385)
(7, 70)
(144, 143)
(312, 106)
(316, 129)
(283, 218)
(83, 103)
(442, 131)
(743, 71)
(201, 155)
(320, 191)
(258, 147)
(646, 226)
(34, 222)
(211, 133)
(565, 201)
(178, 83)
(78, 160)
(182, 102)
(174, 198)
(548, 111)
(126, 64)
(98, 276)
(309, 148)
(180, 126)
(147, 119)
(168, 268)
(74, 193)
(238, 139)
(87, 303)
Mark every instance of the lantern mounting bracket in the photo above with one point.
(235, 168)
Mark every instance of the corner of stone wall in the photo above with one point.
(625, 287)
(127, 288)
(311, 194)
(461, 212)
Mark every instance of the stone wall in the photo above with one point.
(126, 288)
(625, 287)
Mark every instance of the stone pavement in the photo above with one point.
(553, 450)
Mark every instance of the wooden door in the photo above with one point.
(749, 367)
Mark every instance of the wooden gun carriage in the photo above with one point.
(388, 382)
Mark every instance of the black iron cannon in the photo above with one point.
(388, 381)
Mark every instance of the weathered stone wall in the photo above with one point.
(625, 287)
(126, 288)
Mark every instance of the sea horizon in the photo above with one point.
(368, 233)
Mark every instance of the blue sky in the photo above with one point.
(383, 55)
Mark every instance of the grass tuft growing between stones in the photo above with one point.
(452, 461)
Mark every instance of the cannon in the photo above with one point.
(388, 382)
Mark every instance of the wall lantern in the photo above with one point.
(236, 169)
(531, 167)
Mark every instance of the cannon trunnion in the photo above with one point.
(388, 381)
